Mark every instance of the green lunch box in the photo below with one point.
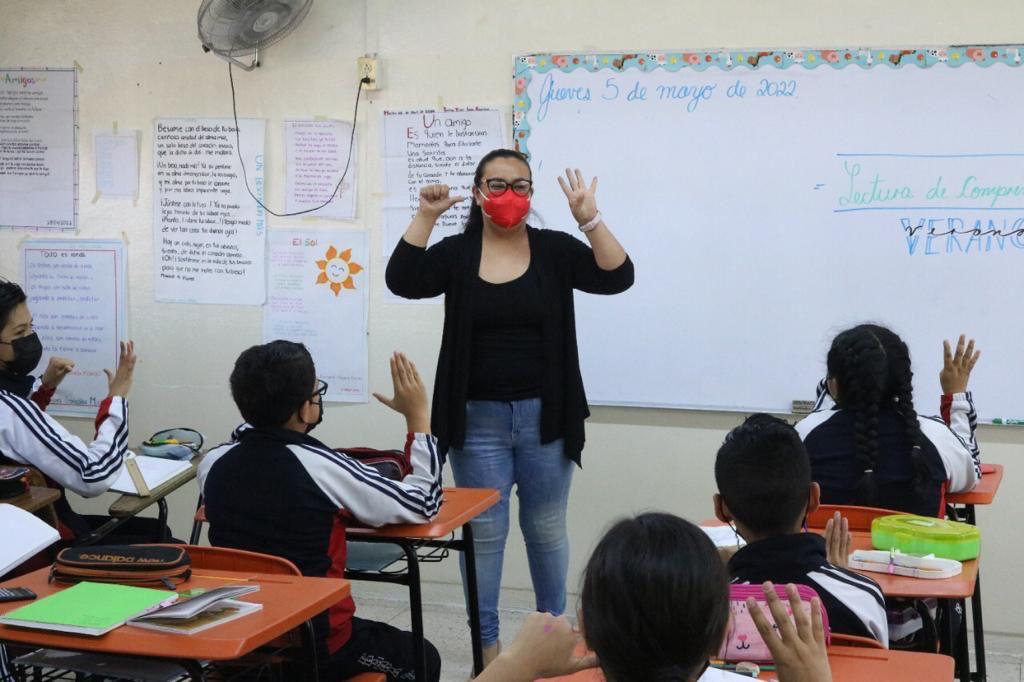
(922, 535)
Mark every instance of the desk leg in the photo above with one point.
(962, 655)
(473, 598)
(308, 636)
(165, 534)
(977, 621)
(415, 610)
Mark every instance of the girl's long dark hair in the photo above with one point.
(475, 221)
(871, 365)
(655, 600)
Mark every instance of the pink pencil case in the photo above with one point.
(742, 641)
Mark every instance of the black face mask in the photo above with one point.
(28, 351)
(319, 419)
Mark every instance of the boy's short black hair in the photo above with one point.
(271, 382)
(764, 475)
(11, 296)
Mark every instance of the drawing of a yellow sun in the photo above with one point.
(338, 269)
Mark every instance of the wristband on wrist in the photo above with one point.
(591, 224)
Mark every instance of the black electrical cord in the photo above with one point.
(245, 177)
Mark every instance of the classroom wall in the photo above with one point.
(141, 60)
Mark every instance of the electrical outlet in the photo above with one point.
(369, 67)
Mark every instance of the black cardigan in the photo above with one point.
(450, 267)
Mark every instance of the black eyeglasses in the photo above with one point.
(321, 388)
(497, 186)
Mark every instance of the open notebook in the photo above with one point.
(23, 535)
(155, 471)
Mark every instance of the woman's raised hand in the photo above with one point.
(436, 199)
(582, 199)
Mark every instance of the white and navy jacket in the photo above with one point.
(950, 449)
(30, 436)
(854, 603)
(285, 493)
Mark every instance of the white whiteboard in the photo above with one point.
(737, 214)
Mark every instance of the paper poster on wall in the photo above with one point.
(76, 291)
(318, 294)
(316, 155)
(210, 234)
(427, 148)
(117, 163)
(38, 149)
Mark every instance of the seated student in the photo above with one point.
(29, 436)
(765, 489)
(277, 490)
(655, 608)
(871, 448)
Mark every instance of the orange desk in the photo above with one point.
(288, 602)
(957, 587)
(852, 664)
(985, 491)
(460, 506)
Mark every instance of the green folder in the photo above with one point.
(88, 608)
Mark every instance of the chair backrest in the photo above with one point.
(227, 559)
(855, 640)
(860, 518)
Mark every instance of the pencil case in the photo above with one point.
(742, 640)
(125, 564)
(897, 563)
(924, 535)
(180, 443)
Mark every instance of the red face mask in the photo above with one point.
(506, 210)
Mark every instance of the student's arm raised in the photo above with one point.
(363, 492)
(33, 437)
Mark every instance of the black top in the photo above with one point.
(854, 603)
(831, 447)
(507, 356)
(452, 267)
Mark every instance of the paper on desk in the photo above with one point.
(155, 470)
(24, 534)
(723, 536)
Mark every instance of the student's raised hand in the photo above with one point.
(545, 647)
(410, 397)
(838, 540)
(121, 380)
(56, 370)
(956, 367)
(582, 199)
(436, 199)
(797, 643)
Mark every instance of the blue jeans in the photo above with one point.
(503, 447)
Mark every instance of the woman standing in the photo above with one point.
(508, 397)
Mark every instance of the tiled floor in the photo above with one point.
(445, 624)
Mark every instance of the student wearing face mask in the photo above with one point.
(509, 403)
(29, 436)
(278, 490)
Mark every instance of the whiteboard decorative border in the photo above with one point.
(526, 66)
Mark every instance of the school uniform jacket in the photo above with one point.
(950, 449)
(30, 436)
(285, 493)
(854, 603)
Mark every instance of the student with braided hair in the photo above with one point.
(870, 447)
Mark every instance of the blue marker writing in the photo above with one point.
(1008, 422)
